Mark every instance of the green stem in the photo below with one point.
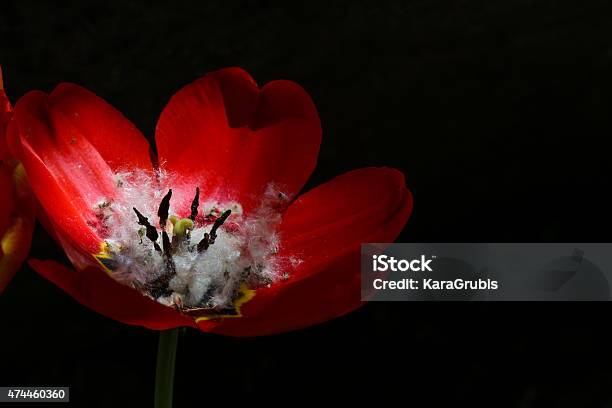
(164, 375)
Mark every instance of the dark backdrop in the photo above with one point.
(497, 112)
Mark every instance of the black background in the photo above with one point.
(498, 112)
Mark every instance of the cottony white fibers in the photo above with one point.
(244, 250)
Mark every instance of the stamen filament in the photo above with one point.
(168, 253)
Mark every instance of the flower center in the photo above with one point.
(202, 258)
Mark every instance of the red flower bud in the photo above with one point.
(16, 207)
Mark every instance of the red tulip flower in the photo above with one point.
(16, 206)
(210, 233)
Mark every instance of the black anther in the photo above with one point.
(218, 222)
(204, 243)
(151, 231)
(164, 207)
(194, 205)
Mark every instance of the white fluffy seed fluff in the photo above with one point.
(244, 251)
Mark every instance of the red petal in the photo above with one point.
(335, 216)
(324, 229)
(16, 221)
(15, 242)
(66, 172)
(98, 291)
(7, 203)
(5, 115)
(115, 138)
(231, 139)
